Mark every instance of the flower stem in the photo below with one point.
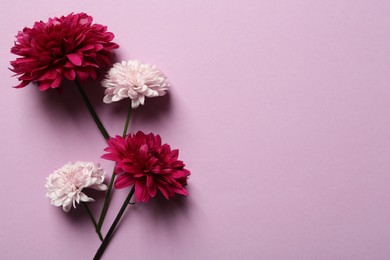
(107, 238)
(92, 111)
(127, 121)
(106, 202)
(93, 220)
(108, 193)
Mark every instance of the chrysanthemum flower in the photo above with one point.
(69, 46)
(134, 80)
(65, 186)
(151, 166)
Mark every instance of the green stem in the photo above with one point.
(92, 111)
(127, 121)
(93, 220)
(107, 238)
(106, 202)
(108, 193)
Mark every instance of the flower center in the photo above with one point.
(139, 81)
(73, 179)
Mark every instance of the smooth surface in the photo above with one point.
(280, 109)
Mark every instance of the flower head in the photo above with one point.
(151, 166)
(134, 80)
(69, 46)
(65, 185)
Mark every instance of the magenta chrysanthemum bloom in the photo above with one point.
(151, 166)
(69, 46)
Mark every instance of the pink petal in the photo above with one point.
(70, 74)
(143, 151)
(56, 83)
(140, 194)
(52, 74)
(149, 181)
(44, 86)
(98, 47)
(83, 76)
(112, 157)
(87, 47)
(75, 58)
(163, 191)
(152, 191)
(123, 181)
(182, 191)
(22, 85)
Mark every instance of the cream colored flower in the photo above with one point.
(134, 80)
(64, 186)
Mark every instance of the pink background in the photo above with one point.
(281, 110)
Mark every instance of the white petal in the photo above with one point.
(85, 198)
(107, 99)
(122, 93)
(135, 103)
(67, 207)
(57, 202)
(116, 98)
(150, 93)
(142, 99)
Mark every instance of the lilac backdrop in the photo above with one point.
(281, 110)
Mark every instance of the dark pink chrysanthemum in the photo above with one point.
(69, 46)
(151, 166)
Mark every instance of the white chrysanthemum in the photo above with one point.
(134, 80)
(64, 186)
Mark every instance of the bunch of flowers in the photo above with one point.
(73, 47)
